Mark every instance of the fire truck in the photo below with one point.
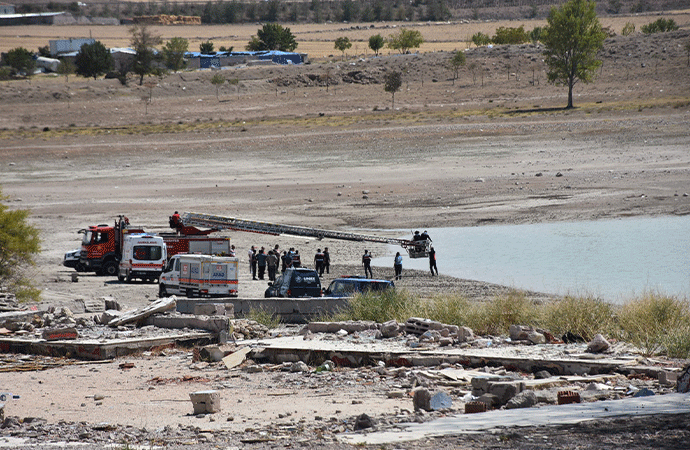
(102, 245)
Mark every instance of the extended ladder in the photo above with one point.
(416, 249)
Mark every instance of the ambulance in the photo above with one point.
(199, 276)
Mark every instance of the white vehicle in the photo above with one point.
(199, 276)
(71, 259)
(143, 256)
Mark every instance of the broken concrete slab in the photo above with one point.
(350, 326)
(97, 349)
(160, 305)
(290, 310)
(214, 324)
(58, 334)
(541, 416)
(236, 358)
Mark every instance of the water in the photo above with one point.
(611, 259)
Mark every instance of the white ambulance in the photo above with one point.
(199, 276)
(143, 256)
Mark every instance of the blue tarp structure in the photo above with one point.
(278, 57)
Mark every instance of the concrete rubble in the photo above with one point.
(437, 369)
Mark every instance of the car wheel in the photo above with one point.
(110, 269)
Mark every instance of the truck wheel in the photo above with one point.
(80, 267)
(110, 269)
(161, 291)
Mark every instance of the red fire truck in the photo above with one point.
(101, 247)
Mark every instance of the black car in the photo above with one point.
(349, 286)
(295, 282)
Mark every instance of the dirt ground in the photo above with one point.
(287, 149)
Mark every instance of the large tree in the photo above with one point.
(376, 43)
(272, 37)
(342, 44)
(404, 40)
(144, 43)
(572, 38)
(21, 60)
(93, 60)
(19, 243)
(173, 53)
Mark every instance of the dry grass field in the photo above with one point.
(314, 39)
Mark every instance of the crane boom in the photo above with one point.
(416, 249)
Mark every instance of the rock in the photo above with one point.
(299, 366)
(465, 334)
(536, 338)
(445, 341)
(542, 374)
(524, 399)
(683, 381)
(520, 332)
(363, 421)
(572, 338)
(440, 400)
(598, 344)
(644, 392)
(491, 400)
(421, 399)
(390, 329)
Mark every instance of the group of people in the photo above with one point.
(397, 264)
(261, 261)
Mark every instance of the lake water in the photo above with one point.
(612, 259)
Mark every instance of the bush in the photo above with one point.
(584, 316)
(382, 307)
(660, 26)
(655, 322)
(497, 316)
(451, 309)
(264, 317)
(481, 39)
(628, 29)
(510, 35)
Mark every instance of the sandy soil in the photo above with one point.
(288, 150)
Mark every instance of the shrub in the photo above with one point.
(584, 316)
(264, 317)
(660, 26)
(628, 29)
(480, 39)
(649, 321)
(451, 309)
(510, 35)
(382, 307)
(497, 316)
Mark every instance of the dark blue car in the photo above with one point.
(349, 286)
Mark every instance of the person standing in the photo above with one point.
(252, 262)
(285, 261)
(326, 260)
(261, 263)
(232, 251)
(432, 261)
(397, 265)
(318, 262)
(296, 259)
(272, 265)
(366, 262)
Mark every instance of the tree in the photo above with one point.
(272, 36)
(21, 60)
(458, 60)
(143, 42)
(480, 39)
(393, 84)
(217, 81)
(510, 35)
(405, 40)
(206, 48)
(66, 68)
(376, 43)
(93, 60)
(173, 53)
(19, 243)
(342, 44)
(572, 38)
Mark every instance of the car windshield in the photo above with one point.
(147, 252)
(87, 237)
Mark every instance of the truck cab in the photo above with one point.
(101, 246)
(143, 257)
